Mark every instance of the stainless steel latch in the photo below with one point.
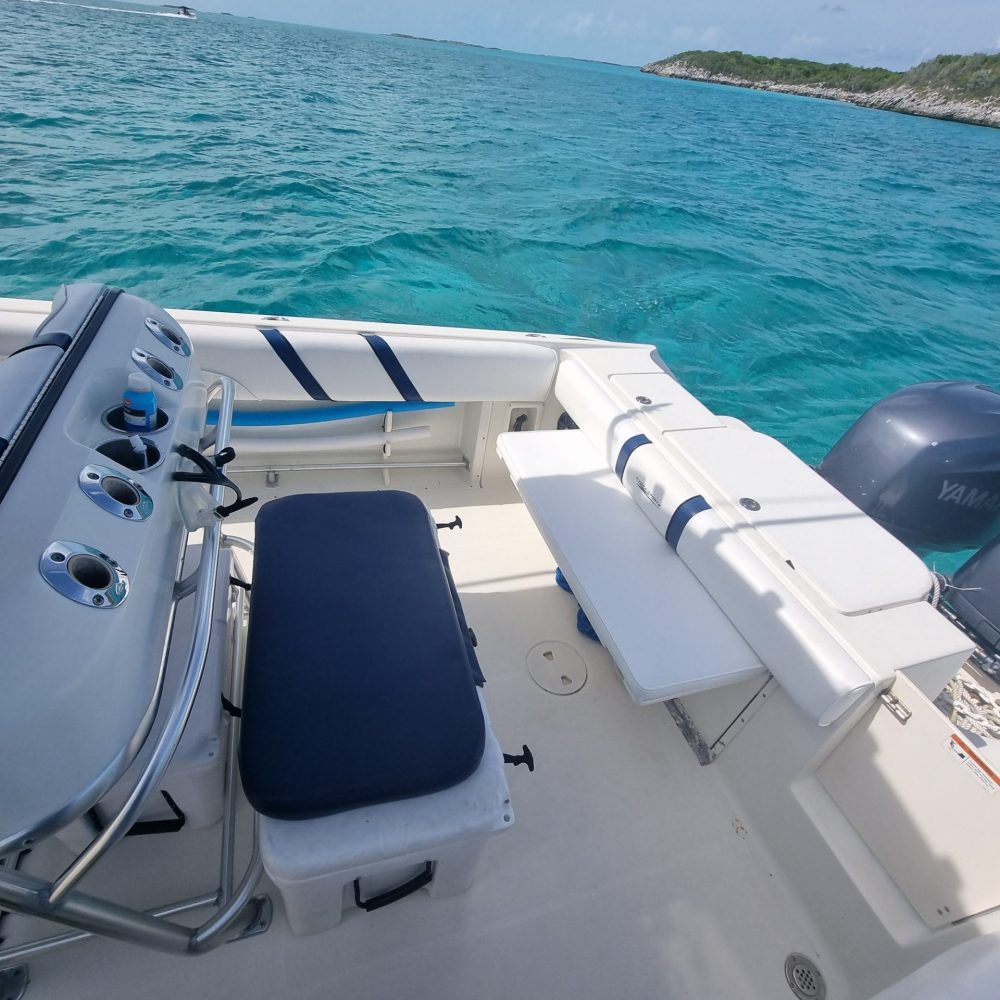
(895, 706)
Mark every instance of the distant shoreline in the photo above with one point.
(442, 41)
(902, 98)
(496, 48)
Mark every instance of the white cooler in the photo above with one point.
(315, 863)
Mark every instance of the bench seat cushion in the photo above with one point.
(360, 687)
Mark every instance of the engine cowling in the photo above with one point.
(974, 595)
(925, 463)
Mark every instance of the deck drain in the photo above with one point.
(804, 978)
(557, 667)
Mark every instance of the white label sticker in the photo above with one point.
(976, 766)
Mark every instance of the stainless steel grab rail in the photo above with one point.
(18, 953)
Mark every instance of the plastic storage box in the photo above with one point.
(431, 841)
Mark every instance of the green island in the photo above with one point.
(962, 88)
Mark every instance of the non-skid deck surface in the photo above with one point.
(627, 873)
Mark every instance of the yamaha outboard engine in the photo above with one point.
(925, 463)
(974, 595)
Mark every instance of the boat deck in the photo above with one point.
(628, 873)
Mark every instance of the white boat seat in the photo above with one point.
(811, 583)
(666, 634)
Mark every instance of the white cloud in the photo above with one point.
(685, 34)
(585, 23)
(709, 38)
(802, 44)
(579, 22)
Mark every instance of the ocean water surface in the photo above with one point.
(792, 259)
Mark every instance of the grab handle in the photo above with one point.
(392, 895)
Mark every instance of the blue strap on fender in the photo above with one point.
(626, 453)
(683, 514)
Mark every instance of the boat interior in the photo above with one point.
(424, 662)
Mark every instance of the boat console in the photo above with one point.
(101, 685)
(93, 542)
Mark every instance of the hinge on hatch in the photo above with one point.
(895, 706)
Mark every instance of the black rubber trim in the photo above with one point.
(387, 358)
(291, 360)
(392, 895)
(17, 451)
(60, 340)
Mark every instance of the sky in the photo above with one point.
(892, 33)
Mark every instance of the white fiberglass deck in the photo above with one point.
(628, 872)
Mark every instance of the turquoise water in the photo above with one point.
(793, 259)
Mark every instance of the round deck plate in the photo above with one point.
(556, 667)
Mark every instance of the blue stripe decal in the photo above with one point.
(393, 368)
(682, 515)
(295, 364)
(626, 453)
(319, 414)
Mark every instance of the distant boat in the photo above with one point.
(187, 13)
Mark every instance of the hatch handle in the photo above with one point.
(524, 757)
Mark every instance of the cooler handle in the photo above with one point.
(391, 895)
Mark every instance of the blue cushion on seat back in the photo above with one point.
(359, 687)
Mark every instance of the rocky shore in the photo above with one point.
(904, 99)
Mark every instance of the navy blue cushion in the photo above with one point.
(359, 686)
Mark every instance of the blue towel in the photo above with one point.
(583, 625)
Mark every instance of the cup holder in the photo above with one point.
(159, 371)
(114, 419)
(120, 450)
(116, 493)
(170, 336)
(84, 574)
